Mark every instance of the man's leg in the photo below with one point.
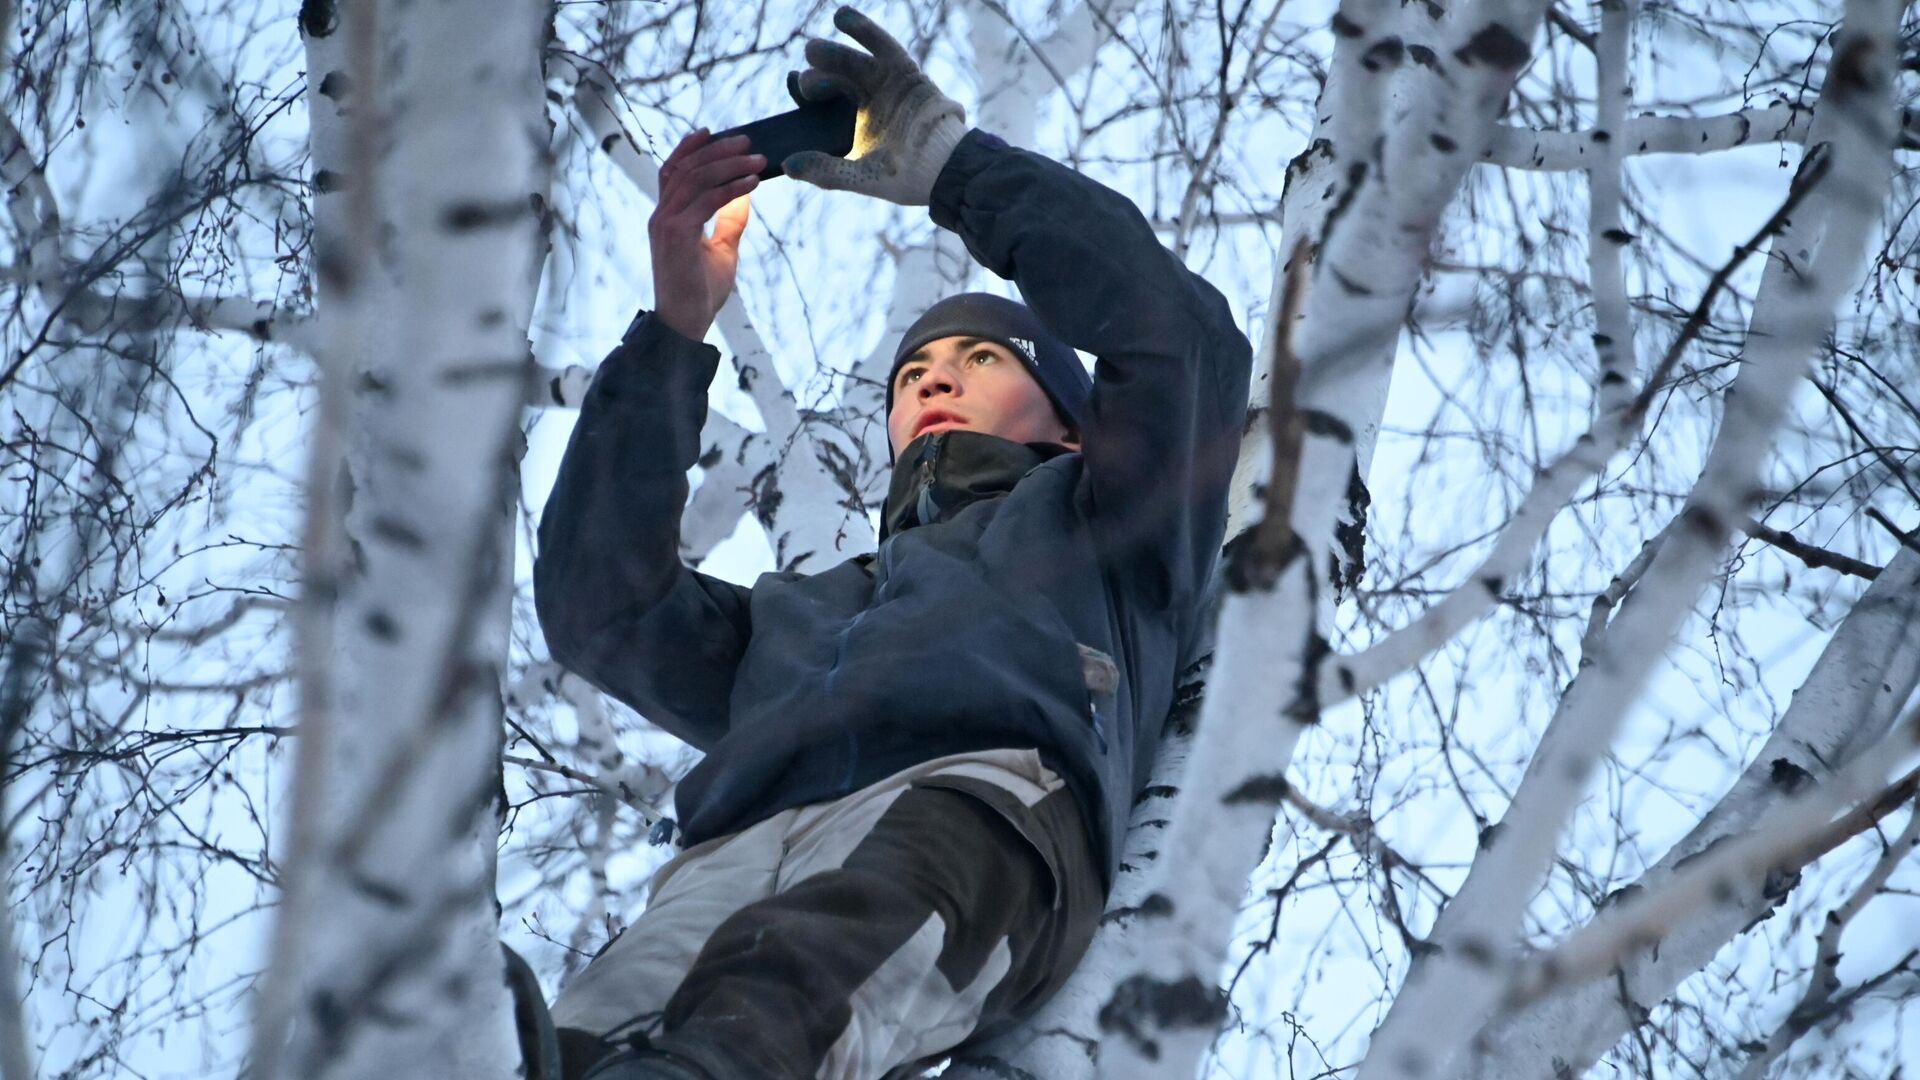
(621, 995)
(940, 920)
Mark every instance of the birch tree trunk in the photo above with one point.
(430, 155)
(1867, 671)
(1396, 140)
(1454, 988)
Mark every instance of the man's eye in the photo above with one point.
(984, 357)
(909, 377)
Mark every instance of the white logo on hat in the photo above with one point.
(1024, 346)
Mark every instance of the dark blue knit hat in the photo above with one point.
(1053, 362)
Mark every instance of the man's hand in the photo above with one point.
(907, 127)
(704, 178)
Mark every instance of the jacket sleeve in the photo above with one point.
(1170, 378)
(616, 604)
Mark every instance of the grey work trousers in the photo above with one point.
(843, 940)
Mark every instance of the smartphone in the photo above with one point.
(826, 126)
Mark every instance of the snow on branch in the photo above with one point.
(1453, 989)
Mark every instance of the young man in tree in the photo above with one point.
(919, 763)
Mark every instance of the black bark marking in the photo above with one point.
(262, 330)
(1602, 136)
(1493, 583)
(1156, 791)
(492, 317)
(467, 216)
(335, 85)
(1704, 521)
(1788, 777)
(318, 18)
(1424, 56)
(1602, 341)
(1351, 534)
(1611, 378)
(379, 891)
(1442, 143)
(399, 533)
(763, 495)
(1491, 835)
(1142, 1005)
(607, 144)
(1267, 788)
(1345, 27)
(1154, 906)
(483, 371)
(1497, 47)
(1327, 426)
(381, 625)
(555, 392)
(1618, 236)
(327, 181)
(374, 384)
(1305, 706)
(709, 459)
(1349, 285)
(1476, 951)
(1383, 54)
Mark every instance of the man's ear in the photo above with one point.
(1070, 438)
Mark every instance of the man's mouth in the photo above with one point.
(932, 417)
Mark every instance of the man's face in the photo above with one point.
(964, 382)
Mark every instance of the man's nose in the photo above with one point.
(940, 382)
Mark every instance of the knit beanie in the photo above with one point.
(1053, 362)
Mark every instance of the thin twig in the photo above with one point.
(1817, 557)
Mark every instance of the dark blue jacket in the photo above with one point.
(1021, 596)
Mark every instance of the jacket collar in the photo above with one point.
(937, 474)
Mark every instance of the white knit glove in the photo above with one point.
(907, 128)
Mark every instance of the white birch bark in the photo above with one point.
(1452, 990)
(429, 122)
(1391, 180)
(1868, 670)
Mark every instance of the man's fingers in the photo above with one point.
(867, 32)
(685, 180)
(714, 174)
(818, 85)
(713, 202)
(827, 171)
(731, 219)
(689, 143)
(851, 65)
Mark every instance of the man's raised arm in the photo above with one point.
(1170, 382)
(1170, 386)
(614, 600)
